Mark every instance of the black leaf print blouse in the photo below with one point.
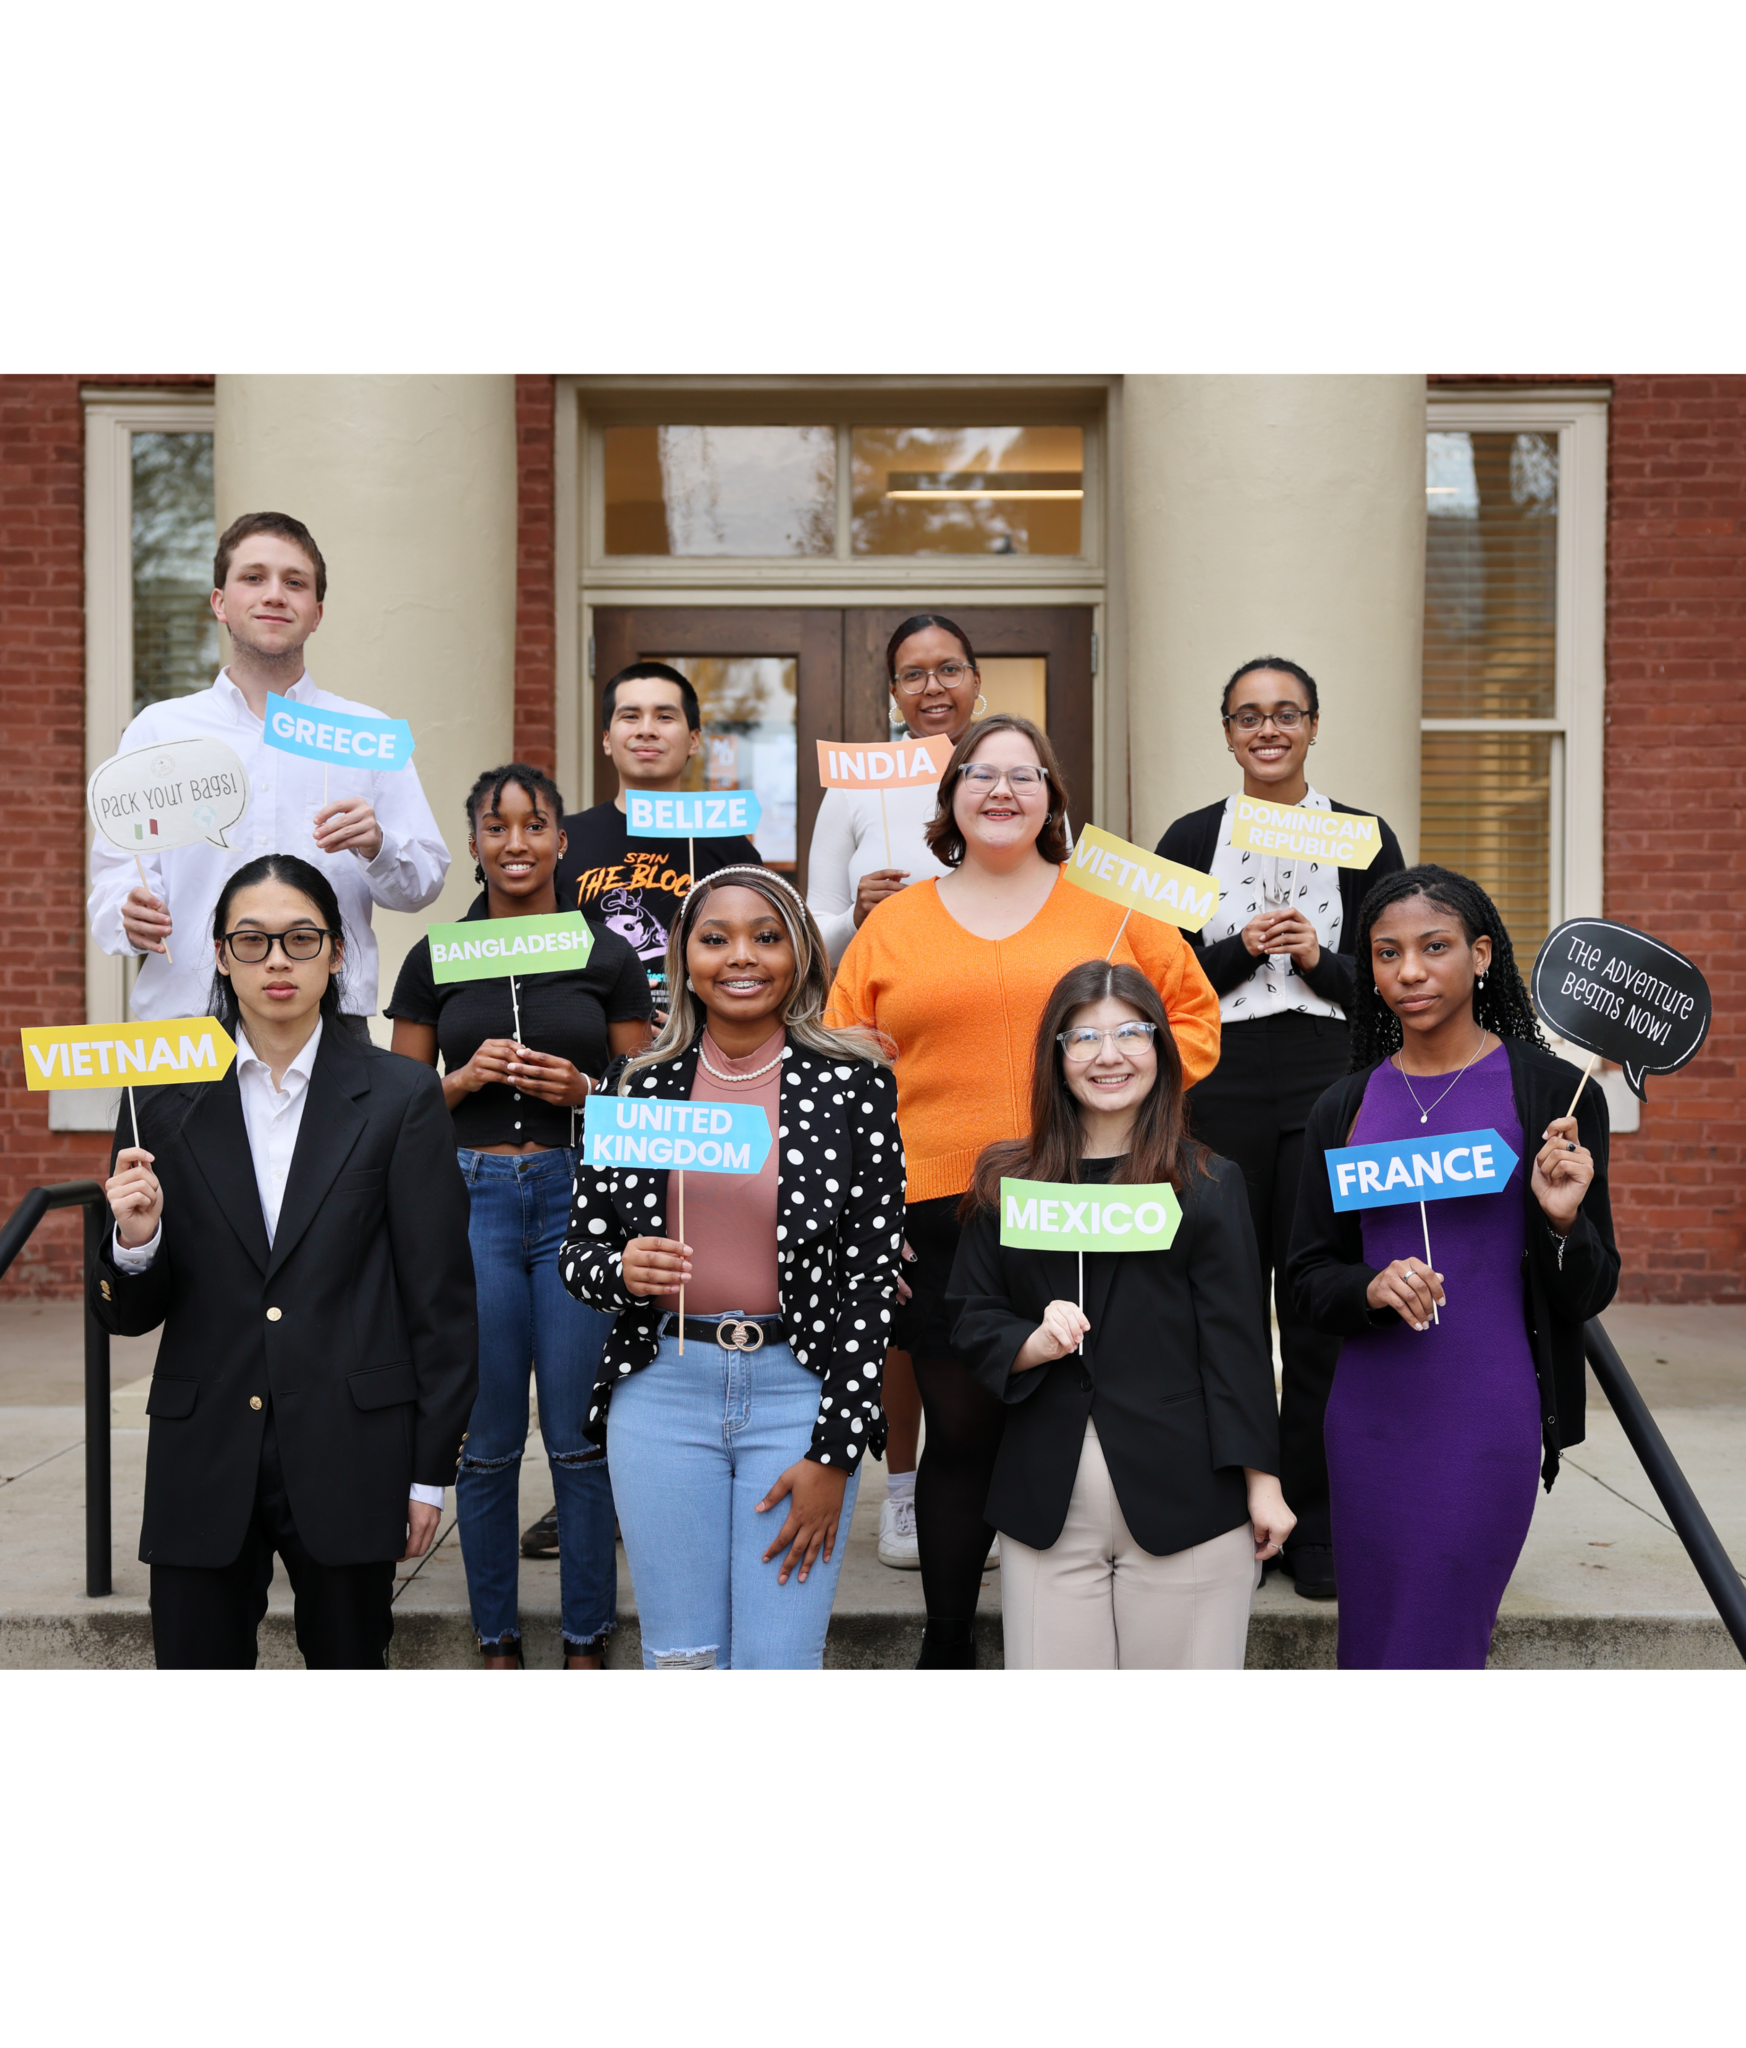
(840, 1226)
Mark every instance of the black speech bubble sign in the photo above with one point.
(1618, 992)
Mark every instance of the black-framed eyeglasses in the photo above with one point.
(911, 682)
(1082, 1042)
(1288, 717)
(301, 942)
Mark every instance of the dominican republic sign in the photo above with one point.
(1137, 880)
(173, 793)
(1419, 1170)
(1344, 838)
(341, 739)
(898, 764)
(694, 813)
(1046, 1216)
(694, 1137)
(126, 1055)
(482, 948)
(1622, 996)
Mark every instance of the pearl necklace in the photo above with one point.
(739, 1079)
(1424, 1113)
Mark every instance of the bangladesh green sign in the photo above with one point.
(1048, 1216)
(480, 948)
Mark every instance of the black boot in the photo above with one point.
(948, 1646)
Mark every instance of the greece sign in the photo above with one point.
(1046, 1216)
(693, 1137)
(694, 813)
(126, 1055)
(1347, 839)
(1419, 1170)
(1137, 880)
(174, 793)
(482, 948)
(339, 739)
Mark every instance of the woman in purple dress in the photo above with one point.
(1462, 1369)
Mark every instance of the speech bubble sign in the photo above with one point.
(126, 1055)
(1142, 881)
(894, 764)
(171, 794)
(1620, 994)
(696, 1137)
(341, 739)
(486, 949)
(693, 813)
(1044, 1216)
(1419, 1170)
(1346, 839)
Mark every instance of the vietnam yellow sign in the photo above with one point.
(1141, 881)
(1346, 838)
(126, 1055)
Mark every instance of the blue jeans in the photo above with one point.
(520, 1206)
(696, 1443)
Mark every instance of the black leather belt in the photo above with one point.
(733, 1332)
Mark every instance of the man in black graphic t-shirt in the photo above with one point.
(635, 883)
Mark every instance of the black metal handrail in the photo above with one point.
(1703, 1546)
(14, 1235)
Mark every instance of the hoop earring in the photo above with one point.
(980, 708)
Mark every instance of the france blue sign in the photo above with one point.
(693, 813)
(1419, 1170)
(700, 1137)
(339, 738)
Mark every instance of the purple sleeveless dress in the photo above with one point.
(1433, 1436)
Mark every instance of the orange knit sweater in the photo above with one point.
(963, 1013)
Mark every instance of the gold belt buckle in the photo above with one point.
(747, 1336)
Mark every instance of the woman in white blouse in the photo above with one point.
(863, 850)
(1278, 951)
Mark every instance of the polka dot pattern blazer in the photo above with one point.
(839, 1205)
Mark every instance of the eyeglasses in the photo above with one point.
(1287, 717)
(1082, 1043)
(301, 942)
(1021, 781)
(911, 682)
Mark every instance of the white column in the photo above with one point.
(409, 486)
(1274, 515)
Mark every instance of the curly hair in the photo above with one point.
(1501, 1003)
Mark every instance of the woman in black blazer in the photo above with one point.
(1461, 1372)
(299, 1230)
(1135, 1478)
(1278, 952)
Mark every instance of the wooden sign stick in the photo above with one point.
(147, 887)
(1593, 1062)
(690, 865)
(1425, 1220)
(1116, 941)
(885, 827)
(1082, 1297)
(134, 1113)
(515, 1008)
(682, 1283)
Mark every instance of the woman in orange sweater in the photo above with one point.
(955, 974)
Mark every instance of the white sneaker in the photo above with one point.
(991, 1563)
(897, 1546)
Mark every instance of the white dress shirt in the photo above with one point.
(285, 792)
(272, 1117)
(1248, 883)
(849, 840)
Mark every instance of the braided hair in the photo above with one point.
(486, 795)
(1501, 1005)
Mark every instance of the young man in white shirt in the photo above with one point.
(374, 837)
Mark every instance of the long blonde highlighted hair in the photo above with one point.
(802, 1014)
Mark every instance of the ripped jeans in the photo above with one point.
(520, 1207)
(696, 1443)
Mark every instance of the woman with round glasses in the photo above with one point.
(866, 845)
(299, 1231)
(1135, 1486)
(955, 974)
(1279, 951)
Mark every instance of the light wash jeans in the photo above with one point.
(520, 1207)
(696, 1443)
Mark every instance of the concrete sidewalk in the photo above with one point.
(1603, 1580)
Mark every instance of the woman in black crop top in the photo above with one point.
(516, 1101)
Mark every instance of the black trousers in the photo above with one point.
(1252, 1108)
(206, 1618)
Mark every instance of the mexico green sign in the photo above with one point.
(1048, 1216)
(482, 948)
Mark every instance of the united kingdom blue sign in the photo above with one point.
(1419, 1170)
(700, 1137)
(694, 813)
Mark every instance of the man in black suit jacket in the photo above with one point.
(307, 1382)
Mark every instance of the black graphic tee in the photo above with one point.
(634, 884)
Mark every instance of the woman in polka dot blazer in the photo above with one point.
(788, 1277)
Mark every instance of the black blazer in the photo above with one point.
(1563, 1281)
(358, 1325)
(1178, 1375)
(1227, 963)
